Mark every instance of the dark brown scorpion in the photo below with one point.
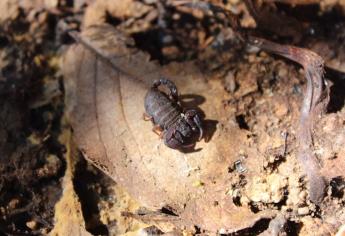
(180, 129)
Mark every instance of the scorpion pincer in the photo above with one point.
(180, 129)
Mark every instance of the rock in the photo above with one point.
(267, 190)
(13, 203)
(246, 85)
(281, 110)
(302, 211)
(31, 224)
(230, 82)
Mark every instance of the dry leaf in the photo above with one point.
(106, 80)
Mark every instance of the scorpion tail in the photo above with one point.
(170, 85)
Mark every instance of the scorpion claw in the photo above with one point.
(198, 124)
(201, 133)
(194, 121)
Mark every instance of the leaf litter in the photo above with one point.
(105, 113)
(128, 148)
(246, 171)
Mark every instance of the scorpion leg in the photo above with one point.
(158, 130)
(173, 95)
(193, 119)
(147, 117)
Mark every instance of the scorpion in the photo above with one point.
(179, 128)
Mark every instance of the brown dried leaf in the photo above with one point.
(106, 80)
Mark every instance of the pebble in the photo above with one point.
(13, 203)
(303, 211)
(282, 72)
(302, 195)
(31, 224)
(281, 110)
(230, 83)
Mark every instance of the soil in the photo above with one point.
(264, 94)
(32, 162)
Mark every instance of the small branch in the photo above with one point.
(151, 216)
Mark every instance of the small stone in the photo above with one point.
(176, 16)
(263, 54)
(277, 185)
(251, 58)
(271, 159)
(151, 230)
(330, 125)
(302, 211)
(170, 51)
(285, 209)
(236, 193)
(302, 195)
(230, 83)
(13, 203)
(282, 72)
(31, 224)
(247, 82)
(45, 231)
(241, 152)
(2, 210)
(312, 207)
(281, 110)
(245, 201)
(51, 167)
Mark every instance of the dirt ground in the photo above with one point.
(247, 178)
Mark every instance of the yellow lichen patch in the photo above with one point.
(112, 213)
(68, 215)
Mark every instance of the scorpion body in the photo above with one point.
(179, 129)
